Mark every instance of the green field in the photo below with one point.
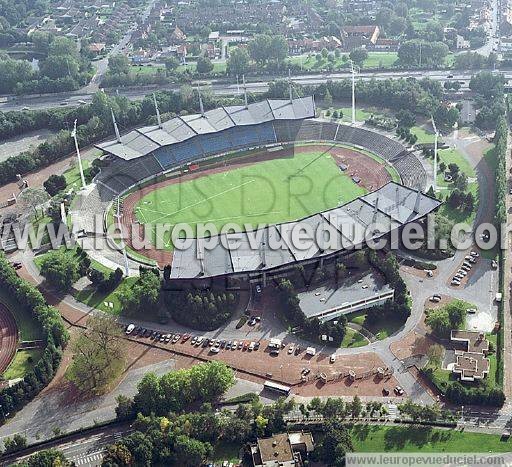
(374, 60)
(381, 329)
(28, 328)
(353, 339)
(375, 438)
(22, 363)
(95, 299)
(449, 156)
(424, 136)
(270, 192)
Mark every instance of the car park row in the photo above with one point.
(214, 344)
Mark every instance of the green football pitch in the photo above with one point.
(266, 192)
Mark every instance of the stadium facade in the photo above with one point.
(145, 155)
(275, 249)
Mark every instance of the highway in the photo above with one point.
(221, 87)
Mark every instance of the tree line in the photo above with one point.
(56, 336)
(200, 309)
(424, 95)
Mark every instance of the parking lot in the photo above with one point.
(308, 370)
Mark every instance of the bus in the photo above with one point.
(281, 389)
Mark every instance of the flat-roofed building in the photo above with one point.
(471, 363)
(282, 450)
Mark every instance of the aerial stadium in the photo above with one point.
(224, 165)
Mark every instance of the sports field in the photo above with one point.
(269, 192)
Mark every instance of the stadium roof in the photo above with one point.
(143, 141)
(390, 207)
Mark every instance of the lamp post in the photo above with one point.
(73, 135)
(353, 70)
(436, 137)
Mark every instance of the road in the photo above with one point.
(492, 28)
(221, 87)
(102, 64)
(84, 450)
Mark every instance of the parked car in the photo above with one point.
(332, 358)
(399, 391)
(130, 328)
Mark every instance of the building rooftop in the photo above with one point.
(146, 140)
(472, 362)
(391, 207)
(315, 302)
(275, 449)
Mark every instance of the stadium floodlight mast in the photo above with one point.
(353, 71)
(158, 117)
(436, 137)
(80, 167)
(116, 129)
(123, 244)
(245, 93)
(201, 106)
(290, 91)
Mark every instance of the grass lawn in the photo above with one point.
(424, 136)
(374, 438)
(96, 299)
(72, 175)
(353, 339)
(361, 114)
(309, 62)
(493, 364)
(273, 191)
(23, 362)
(225, 452)
(28, 327)
(380, 329)
(449, 156)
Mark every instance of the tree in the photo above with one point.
(176, 390)
(117, 455)
(335, 444)
(46, 458)
(328, 98)
(54, 184)
(99, 354)
(356, 407)
(143, 296)
(358, 56)
(32, 198)
(16, 443)
(191, 452)
(405, 118)
(461, 182)
(60, 270)
(204, 65)
(278, 49)
(119, 64)
(59, 66)
(435, 355)
(238, 62)
(171, 63)
(259, 48)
